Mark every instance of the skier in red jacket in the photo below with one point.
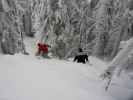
(42, 49)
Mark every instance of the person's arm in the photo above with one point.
(48, 45)
(86, 58)
(75, 58)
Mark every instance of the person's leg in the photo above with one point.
(39, 52)
(45, 55)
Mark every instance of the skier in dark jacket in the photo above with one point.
(81, 57)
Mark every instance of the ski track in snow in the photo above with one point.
(27, 78)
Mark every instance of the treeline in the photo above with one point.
(97, 26)
(15, 23)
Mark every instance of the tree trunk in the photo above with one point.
(28, 24)
(117, 44)
(102, 27)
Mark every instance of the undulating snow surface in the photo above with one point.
(27, 78)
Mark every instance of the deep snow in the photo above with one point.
(27, 78)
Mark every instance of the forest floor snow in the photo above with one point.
(27, 78)
(24, 77)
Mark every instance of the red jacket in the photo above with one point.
(43, 47)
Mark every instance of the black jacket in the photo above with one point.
(81, 58)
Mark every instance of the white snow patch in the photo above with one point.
(27, 78)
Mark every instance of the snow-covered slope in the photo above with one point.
(27, 78)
